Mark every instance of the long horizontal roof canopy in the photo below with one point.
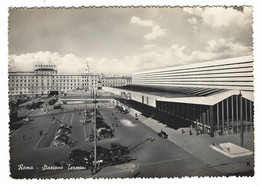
(175, 90)
(190, 95)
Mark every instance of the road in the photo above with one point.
(158, 158)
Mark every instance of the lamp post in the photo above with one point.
(95, 134)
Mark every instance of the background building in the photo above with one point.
(115, 81)
(45, 80)
(215, 97)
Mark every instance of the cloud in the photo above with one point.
(68, 63)
(150, 56)
(221, 48)
(140, 22)
(193, 20)
(157, 31)
(218, 17)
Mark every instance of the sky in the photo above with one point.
(120, 41)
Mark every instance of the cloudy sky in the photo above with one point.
(126, 40)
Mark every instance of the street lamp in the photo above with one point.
(95, 134)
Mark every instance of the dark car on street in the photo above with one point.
(63, 131)
(162, 134)
(60, 140)
(57, 107)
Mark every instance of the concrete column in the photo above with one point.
(218, 117)
(200, 113)
(246, 109)
(188, 111)
(250, 110)
(241, 121)
(237, 112)
(232, 111)
(251, 114)
(227, 115)
(223, 117)
(207, 117)
(211, 120)
(203, 121)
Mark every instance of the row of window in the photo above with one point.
(61, 77)
(38, 88)
(58, 84)
(21, 81)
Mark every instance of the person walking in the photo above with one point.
(248, 162)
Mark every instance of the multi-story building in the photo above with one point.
(115, 81)
(45, 80)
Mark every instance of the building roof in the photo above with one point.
(174, 90)
(201, 96)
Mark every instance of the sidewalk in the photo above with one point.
(199, 146)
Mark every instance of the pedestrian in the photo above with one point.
(40, 132)
(248, 162)
(182, 131)
(190, 132)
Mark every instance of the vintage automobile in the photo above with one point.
(60, 140)
(162, 134)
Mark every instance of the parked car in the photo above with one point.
(57, 107)
(162, 134)
(65, 125)
(63, 131)
(53, 101)
(91, 138)
(60, 140)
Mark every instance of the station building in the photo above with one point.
(215, 97)
(45, 79)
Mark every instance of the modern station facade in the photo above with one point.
(215, 97)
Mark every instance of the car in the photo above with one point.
(91, 138)
(57, 107)
(53, 101)
(63, 131)
(118, 149)
(162, 134)
(61, 140)
(65, 125)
